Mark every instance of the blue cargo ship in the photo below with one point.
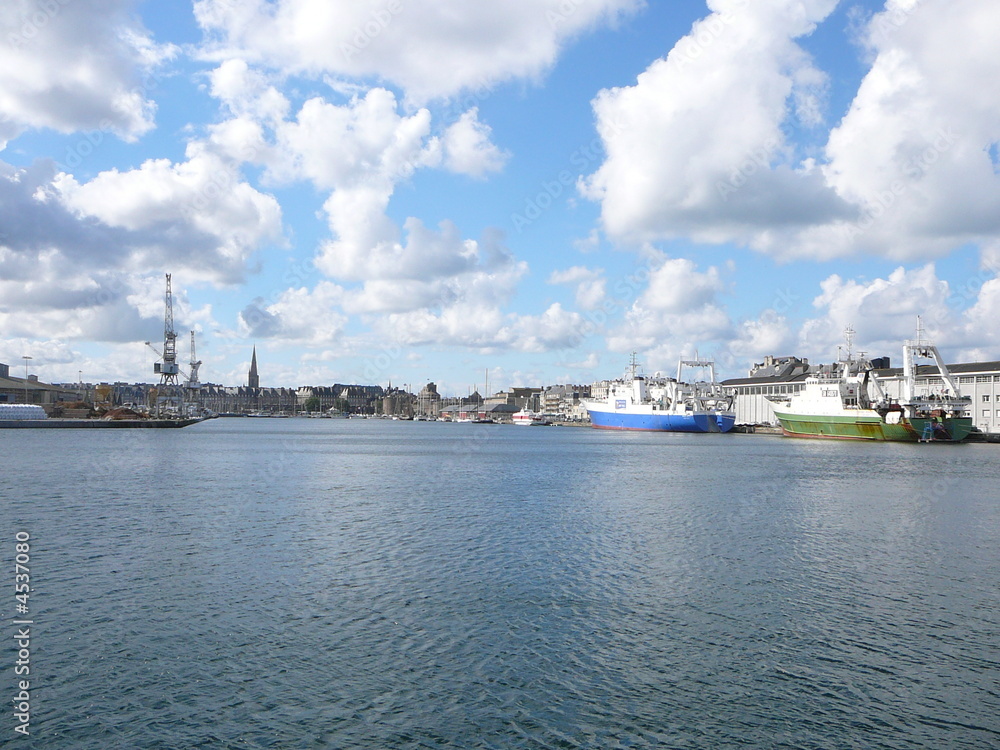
(637, 402)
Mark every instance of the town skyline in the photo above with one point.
(365, 195)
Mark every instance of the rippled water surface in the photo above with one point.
(370, 584)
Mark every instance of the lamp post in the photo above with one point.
(25, 357)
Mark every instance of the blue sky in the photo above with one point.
(410, 190)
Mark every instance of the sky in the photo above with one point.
(407, 191)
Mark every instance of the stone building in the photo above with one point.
(357, 399)
(245, 400)
(519, 397)
(429, 401)
(361, 399)
(396, 402)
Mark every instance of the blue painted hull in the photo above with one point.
(662, 421)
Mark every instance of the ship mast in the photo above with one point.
(849, 334)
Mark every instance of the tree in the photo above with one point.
(312, 404)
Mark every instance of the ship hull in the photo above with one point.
(868, 425)
(661, 421)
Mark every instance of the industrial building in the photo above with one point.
(31, 390)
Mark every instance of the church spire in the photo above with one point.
(253, 381)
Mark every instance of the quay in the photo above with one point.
(94, 423)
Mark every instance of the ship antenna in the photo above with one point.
(849, 336)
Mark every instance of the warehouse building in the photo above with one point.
(14, 390)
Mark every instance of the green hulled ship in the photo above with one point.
(846, 401)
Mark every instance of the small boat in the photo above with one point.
(528, 418)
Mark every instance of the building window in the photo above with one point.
(986, 413)
(986, 398)
(984, 378)
(967, 379)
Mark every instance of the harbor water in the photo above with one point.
(297, 583)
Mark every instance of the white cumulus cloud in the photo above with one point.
(696, 147)
(80, 65)
(591, 286)
(429, 48)
(197, 214)
(467, 147)
(709, 143)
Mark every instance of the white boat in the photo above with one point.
(528, 418)
(637, 402)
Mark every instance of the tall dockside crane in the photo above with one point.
(168, 369)
(192, 382)
(169, 392)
